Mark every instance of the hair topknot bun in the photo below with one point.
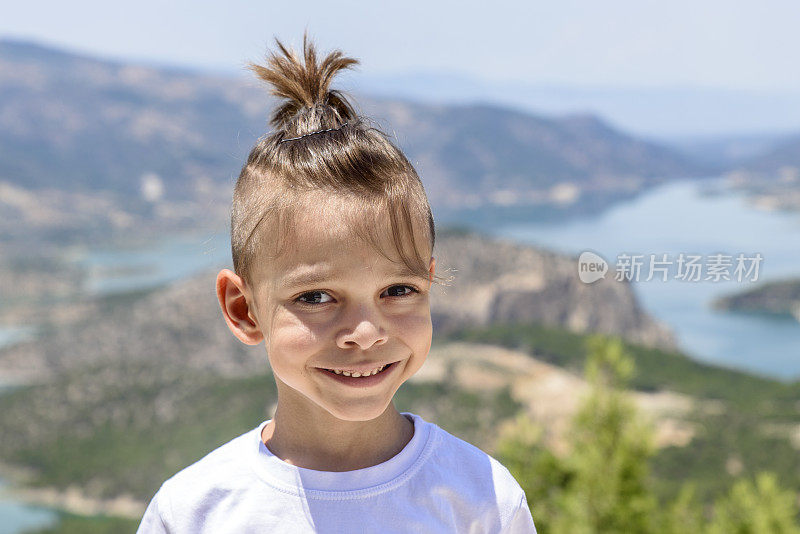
(305, 87)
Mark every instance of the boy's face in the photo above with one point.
(330, 301)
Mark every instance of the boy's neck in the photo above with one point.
(320, 441)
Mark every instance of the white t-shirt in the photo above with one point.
(438, 483)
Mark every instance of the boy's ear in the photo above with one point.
(432, 268)
(235, 309)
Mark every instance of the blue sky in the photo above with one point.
(668, 69)
(708, 43)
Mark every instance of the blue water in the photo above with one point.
(18, 517)
(166, 260)
(682, 217)
(13, 334)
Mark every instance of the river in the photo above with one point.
(695, 218)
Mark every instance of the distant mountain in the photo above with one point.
(772, 179)
(74, 122)
(479, 153)
(501, 282)
(726, 151)
(785, 153)
(660, 113)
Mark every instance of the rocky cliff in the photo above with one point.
(496, 281)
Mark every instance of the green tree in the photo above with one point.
(602, 486)
(609, 492)
(757, 508)
(682, 515)
(542, 475)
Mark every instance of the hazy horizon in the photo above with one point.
(669, 113)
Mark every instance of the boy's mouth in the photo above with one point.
(356, 374)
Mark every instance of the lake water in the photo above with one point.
(164, 261)
(9, 334)
(16, 517)
(685, 217)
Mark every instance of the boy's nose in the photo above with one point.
(365, 333)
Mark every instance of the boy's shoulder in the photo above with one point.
(224, 467)
(181, 503)
(470, 467)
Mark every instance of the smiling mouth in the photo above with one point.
(373, 372)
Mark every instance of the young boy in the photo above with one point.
(332, 239)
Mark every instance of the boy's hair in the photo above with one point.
(321, 145)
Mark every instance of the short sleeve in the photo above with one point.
(152, 522)
(521, 520)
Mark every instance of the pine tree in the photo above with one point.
(757, 508)
(609, 492)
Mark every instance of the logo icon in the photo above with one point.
(591, 267)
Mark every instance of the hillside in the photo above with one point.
(105, 436)
(785, 153)
(482, 154)
(141, 148)
(470, 389)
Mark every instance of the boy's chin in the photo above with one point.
(356, 413)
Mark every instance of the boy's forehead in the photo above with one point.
(317, 239)
(331, 222)
(336, 219)
(328, 232)
(322, 255)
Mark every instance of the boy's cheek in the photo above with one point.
(294, 338)
(416, 333)
(416, 324)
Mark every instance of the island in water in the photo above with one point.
(781, 297)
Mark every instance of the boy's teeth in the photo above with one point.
(356, 374)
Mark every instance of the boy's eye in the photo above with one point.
(317, 297)
(314, 297)
(394, 293)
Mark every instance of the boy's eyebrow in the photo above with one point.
(303, 278)
(311, 277)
